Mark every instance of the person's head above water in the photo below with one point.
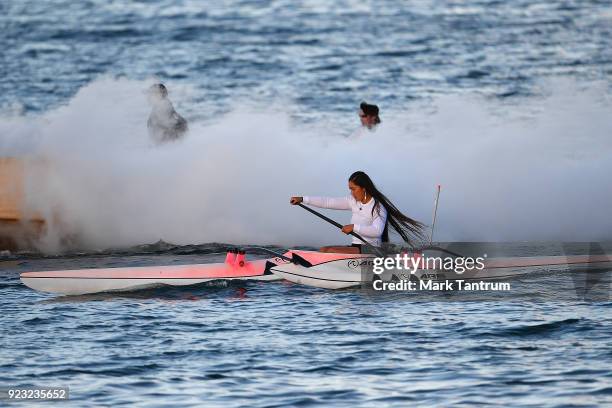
(363, 190)
(158, 90)
(368, 114)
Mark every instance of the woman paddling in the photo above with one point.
(372, 214)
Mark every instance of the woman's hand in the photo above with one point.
(296, 200)
(347, 229)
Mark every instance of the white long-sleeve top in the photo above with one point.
(369, 226)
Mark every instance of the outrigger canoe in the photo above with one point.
(311, 268)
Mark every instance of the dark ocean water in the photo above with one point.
(278, 344)
(320, 57)
(544, 343)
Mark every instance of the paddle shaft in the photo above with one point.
(338, 225)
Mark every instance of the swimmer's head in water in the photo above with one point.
(368, 114)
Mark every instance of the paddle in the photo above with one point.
(338, 225)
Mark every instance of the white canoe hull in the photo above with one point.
(332, 275)
(328, 270)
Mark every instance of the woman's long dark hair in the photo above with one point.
(405, 226)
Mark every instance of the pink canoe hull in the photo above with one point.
(84, 281)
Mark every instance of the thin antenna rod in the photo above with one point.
(435, 213)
